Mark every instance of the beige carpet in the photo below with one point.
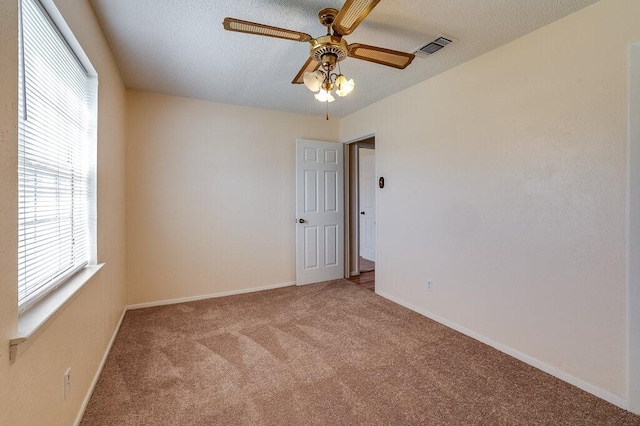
(326, 354)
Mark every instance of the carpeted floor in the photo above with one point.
(326, 354)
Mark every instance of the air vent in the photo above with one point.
(435, 45)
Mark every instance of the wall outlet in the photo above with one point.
(429, 285)
(67, 382)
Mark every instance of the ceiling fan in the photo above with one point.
(329, 50)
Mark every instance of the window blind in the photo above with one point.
(54, 134)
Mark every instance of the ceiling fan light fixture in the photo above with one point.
(313, 80)
(327, 85)
(324, 96)
(344, 86)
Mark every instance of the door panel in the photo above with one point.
(330, 245)
(310, 247)
(331, 156)
(330, 192)
(319, 203)
(310, 191)
(311, 155)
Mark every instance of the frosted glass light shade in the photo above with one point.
(313, 80)
(324, 96)
(344, 87)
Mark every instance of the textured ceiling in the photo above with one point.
(179, 47)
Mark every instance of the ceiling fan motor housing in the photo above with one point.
(327, 16)
(329, 50)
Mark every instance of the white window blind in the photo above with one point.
(56, 130)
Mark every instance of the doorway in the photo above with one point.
(361, 212)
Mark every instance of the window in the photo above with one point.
(56, 157)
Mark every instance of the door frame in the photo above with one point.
(354, 208)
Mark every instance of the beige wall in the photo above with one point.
(31, 391)
(633, 213)
(210, 201)
(505, 185)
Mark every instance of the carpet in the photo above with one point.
(324, 354)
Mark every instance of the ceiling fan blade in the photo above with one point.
(310, 66)
(232, 24)
(352, 14)
(380, 55)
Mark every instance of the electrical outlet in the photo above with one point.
(67, 382)
(429, 285)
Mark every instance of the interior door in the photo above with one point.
(319, 211)
(368, 204)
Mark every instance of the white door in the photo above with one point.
(319, 211)
(368, 204)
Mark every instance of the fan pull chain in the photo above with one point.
(327, 115)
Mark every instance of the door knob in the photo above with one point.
(361, 212)
(301, 220)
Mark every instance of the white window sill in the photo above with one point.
(33, 322)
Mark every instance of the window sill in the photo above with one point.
(36, 319)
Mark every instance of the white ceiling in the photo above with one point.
(179, 47)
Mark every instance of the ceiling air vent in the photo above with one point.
(433, 46)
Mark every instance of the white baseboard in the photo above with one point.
(208, 296)
(100, 367)
(594, 390)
